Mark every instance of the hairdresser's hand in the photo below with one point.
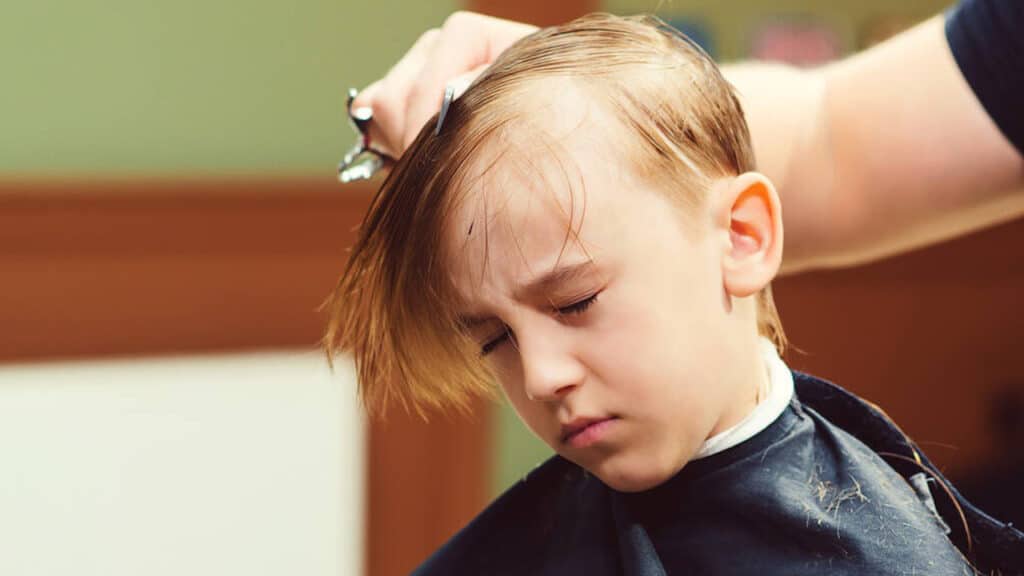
(411, 92)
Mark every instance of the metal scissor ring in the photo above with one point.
(362, 161)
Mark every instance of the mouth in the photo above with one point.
(582, 432)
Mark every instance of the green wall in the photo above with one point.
(173, 86)
(517, 450)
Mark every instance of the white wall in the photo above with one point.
(246, 464)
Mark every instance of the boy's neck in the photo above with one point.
(772, 394)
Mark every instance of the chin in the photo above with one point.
(633, 476)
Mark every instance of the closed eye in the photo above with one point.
(575, 308)
(493, 343)
(579, 307)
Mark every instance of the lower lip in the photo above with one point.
(591, 434)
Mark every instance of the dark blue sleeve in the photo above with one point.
(988, 45)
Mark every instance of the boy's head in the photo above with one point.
(586, 229)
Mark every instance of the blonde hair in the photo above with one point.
(394, 306)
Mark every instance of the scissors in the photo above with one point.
(363, 161)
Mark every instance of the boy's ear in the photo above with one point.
(748, 210)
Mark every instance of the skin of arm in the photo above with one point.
(880, 153)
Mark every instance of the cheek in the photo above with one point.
(656, 348)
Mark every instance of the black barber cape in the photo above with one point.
(830, 487)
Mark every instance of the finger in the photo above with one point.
(366, 96)
(379, 139)
(467, 42)
(387, 96)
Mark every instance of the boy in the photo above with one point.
(585, 227)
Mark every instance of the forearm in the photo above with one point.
(879, 154)
(784, 107)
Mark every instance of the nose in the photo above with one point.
(551, 369)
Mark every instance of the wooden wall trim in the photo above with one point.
(428, 479)
(537, 12)
(161, 266)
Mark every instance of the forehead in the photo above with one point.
(539, 194)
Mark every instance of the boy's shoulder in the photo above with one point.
(560, 520)
(513, 534)
(990, 545)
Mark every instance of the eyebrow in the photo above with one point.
(541, 285)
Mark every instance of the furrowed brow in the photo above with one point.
(551, 280)
(540, 286)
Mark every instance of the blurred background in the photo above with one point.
(170, 223)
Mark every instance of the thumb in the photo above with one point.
(380, 139)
